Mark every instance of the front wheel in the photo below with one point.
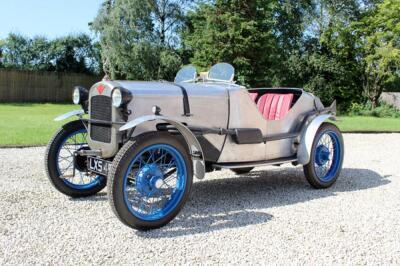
(150, 180)
(66, 170)
(326, 157)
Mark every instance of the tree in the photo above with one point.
(290, 23)
(291, 18)
(138, 38)
(74, 54)
(39, 56)
(290, 43)
(329, 68)
(25, 53)
(379, 37)
(16, 52)
(67, 54)
(238, 32)
(168, 17)
(327, 62)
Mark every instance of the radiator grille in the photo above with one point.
(100, 109)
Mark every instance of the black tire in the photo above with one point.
(119, 167)
(51, 162)
(309, 169)
(241, 171)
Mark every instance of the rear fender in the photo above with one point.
(307, 138)
(190, 139)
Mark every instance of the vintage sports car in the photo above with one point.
(146, 140)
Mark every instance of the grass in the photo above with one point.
(368, 123)
(30, 124)
(33, 124)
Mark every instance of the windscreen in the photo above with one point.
(186, 74)
(222, 71)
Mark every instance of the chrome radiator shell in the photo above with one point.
(96, 139)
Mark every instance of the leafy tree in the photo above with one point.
(24, 53)
(327, 62)
(67, 54)
(329, 67)
(39, 56)
(74, 54)
(168, 17)
(291, 18)
(379, 37)
(16, 52)
(138, 37)
(238, 32)
(304, 43)
(290, 22)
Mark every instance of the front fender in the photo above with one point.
(69, 114)
(307, 138)
(191, 140)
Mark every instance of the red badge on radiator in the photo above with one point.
(100, 89)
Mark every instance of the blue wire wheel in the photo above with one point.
(155, 182)
(80, 179)
(327, 156)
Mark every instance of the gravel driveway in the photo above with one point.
(268, 216)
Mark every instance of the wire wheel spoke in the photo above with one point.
(65, 162)
(327, 156)
(152, 182)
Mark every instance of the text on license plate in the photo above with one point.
(98, 166)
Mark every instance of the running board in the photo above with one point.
(255, 164)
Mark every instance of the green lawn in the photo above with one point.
(366, 123)
(33, 124)
(29, 124)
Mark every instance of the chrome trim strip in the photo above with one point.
(255, 164)
(282, 136)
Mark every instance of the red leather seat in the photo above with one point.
(274, 106)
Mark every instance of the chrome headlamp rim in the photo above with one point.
(117, 98)
(120, 97)
(80, 95)
(76, 96)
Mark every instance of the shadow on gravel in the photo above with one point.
(239, 201)
(101, 196)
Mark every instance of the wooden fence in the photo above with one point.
(32, 86)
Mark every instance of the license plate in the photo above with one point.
(98, 166)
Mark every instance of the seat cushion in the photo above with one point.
(274, 106)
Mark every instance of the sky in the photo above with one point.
(50, 18)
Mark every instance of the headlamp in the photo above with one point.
(80, 95)
(121, 97)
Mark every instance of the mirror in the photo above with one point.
(222, 72)
(186, 74)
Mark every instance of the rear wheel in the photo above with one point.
(61, 159)
(150, 180)
(326, 157)
(241, 171)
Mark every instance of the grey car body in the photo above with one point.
(146, 140)
(219, 114)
